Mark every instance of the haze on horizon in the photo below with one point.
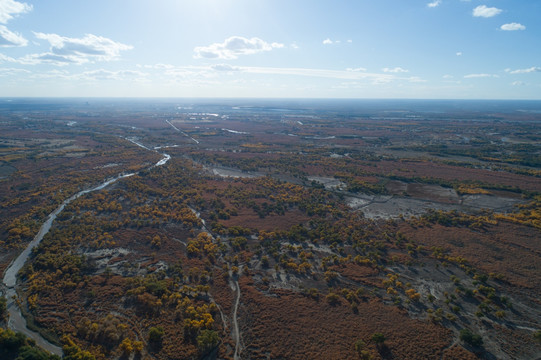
(445, 49)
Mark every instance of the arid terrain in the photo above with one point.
(231, 229)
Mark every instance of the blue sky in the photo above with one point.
(445, 49)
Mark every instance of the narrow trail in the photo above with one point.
(182, 132)
(224, 319)
(236, 332)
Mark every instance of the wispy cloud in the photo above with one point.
(374, 78)
(9, 38)
(65, 50)
(102, 74)
(335, 74)
(524, 71)
(209, 71)
(47, 58)
(513, 27)
(356, 69)
(518, 83)
(473, 76)
(10, 9)
(215, 74)
(53, 74)
(185, 72)
(486, 12)
(415, 79)
(159, 66)
(225, 67)
(12, 71)
(434, 4)
(459, 53)
(395, 70)
(94, 75)
(327, 41)
(5, 58)
(233, 47)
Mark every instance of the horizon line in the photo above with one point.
(259, 98)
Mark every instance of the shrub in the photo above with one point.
(378, 339)
(155, 335)
(207, 340)
(333, 299)
(360, 347)
(470, 338)
(3, 308)
(537, 335)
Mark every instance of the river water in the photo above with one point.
(16, 321)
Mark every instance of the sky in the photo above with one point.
(419, 49)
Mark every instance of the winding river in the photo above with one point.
(16, 321)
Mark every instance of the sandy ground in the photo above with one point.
(417, 199)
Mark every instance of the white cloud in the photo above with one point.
(324, 73)
(415, 79)
(395, 70)
(65, 50)
(172, 72)
(47, 58)
(54, 74)
(225, 67)
(434, 4)
(160, 66)
(348, 74)
(182, 73)
(328, 41)
(524, 71)
(12, 71)
(294, 46)
(204, 74)
(513, 27)
(518, 83)
(486, 12)
(356, 69)
(4, 58)
(94, 75)
(447, 76)
(9, 38)
(234, 46)
(10, 8)
(459, 53)
(381, 80)
(214, 70)
(102, 74)
(473, 76)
